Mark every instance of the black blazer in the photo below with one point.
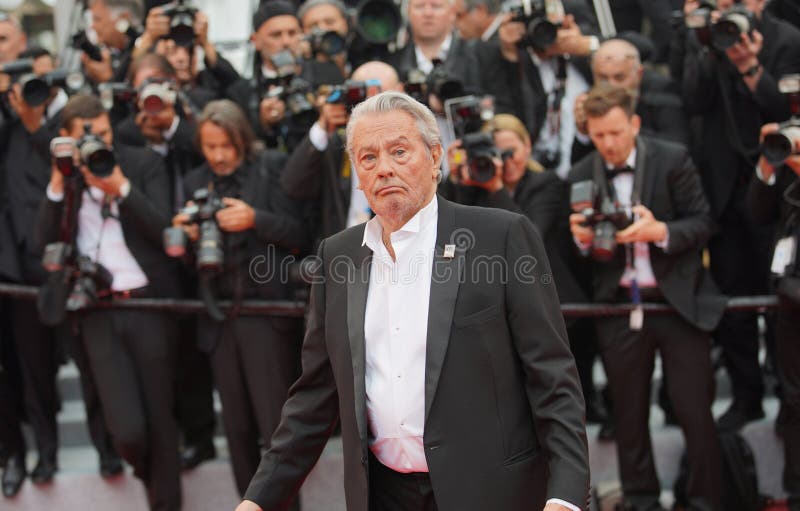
(460, 63)
(143, 214)
(767, 203)
(503, 407)
(670, 188)
(728, 145)
(316, 177)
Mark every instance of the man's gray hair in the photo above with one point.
(310, 4)
(391, 101)
(133, 7)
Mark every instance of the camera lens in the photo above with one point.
(209, 248)
(331, 43)
(98, 157)
(153, 104)
(35, 91)
(378, 21)
(541, 33)
(481, 168)
(175, 242)
(777, 147)
(605, 242)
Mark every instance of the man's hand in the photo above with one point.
(56, 184)
(98, 72)
(582, 234)
(744, 55)
(510, 33)
(793, 161)
(332, 116)
(237, 216)
(109, 185)
(580, 115)
(646, 228)
(549, 507)
(181, 220)
(570, 40)
(156, 26)
(30, 116)
(271, 111)
(247, 505)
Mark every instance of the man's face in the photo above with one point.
(516, 166)
(614, 135)
(396, 171)
(617, 71)
(431, 19)
(101, 127)
(277, 34)
(470, 23)
(325, 17)
(754, 6)
(103, 22)
(180, 59)
(218, 149)
(12, 42)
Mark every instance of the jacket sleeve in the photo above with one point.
(147, 207)
(309, 414)
(551, 379)
(763, 200)
(48, 221)
(302, 176)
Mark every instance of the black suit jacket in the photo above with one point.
(503, 407)
(767, 203)
(670, 188)
(731, 114)
(460, 63)
(143, 215)
(316, 177)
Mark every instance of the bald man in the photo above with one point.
(319, 171)
(658, 103)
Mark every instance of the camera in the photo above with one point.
(779, 146)
(328, 43)
(294, 91)
(17, 67)
(36, 89)
(80, 41)
(604, 215)
(442, 85)
(481, 153)
(377, 21)
(112, 93)
(464, 115)
(351, 92)
(416, 86)
(181, 22)
(726, 31)
(209, 250)
(540, 32)
(156, 95)
(92, 150)
(91, 280)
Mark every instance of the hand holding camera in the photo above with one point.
(98, 71)
(332, 116)
(91, 157)
(780, 143)
(569, 40)
(744, 54)
(645, 228)
(236, 216)
(30, 116)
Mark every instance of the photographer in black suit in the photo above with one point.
(259, 233)
(117, 222)
(774, 197)
(654, 257)
(117, 24)
(734, 91)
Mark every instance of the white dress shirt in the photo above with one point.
(548, 139)
(424, 63)
(103, 240)
(395, 334)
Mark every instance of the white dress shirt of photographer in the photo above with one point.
(335, 116)
(100, 235)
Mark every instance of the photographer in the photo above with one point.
(645, 221)
(319, 17)
(253, 231)
(180, 44)
(116, 23)
(117, 221)
(773, 198)
(538, 81)
(319, 171)
(276, 37)
(730, 81)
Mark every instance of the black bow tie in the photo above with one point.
(612, 173)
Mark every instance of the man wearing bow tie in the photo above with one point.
(435, 340)
(656, 259)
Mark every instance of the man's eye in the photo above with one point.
(399, 152)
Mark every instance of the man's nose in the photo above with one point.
(384, 167)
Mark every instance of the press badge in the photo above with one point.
(636, 318)
(785, 251)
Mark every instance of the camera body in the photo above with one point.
(481, 154)
(540, 32)
(442, 85)
(777, 147)
(181, 22)
(607, 217)
(209, 250)
(80, 41)
(726, 31)
(92, 150)
(90, 280)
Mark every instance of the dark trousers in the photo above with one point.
(395, 491)
(98, 430)
(740, 253)
(195, 406)
(132, 359)
(11, 440)
(38, 352)
(255, 361)
(788, 347)
(629, 358)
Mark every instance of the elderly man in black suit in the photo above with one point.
(733, 91)
(451, 377)
(655, 258)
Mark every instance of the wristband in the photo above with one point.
(752, 71)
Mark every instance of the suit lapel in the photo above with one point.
(357, 288)
(445, 278)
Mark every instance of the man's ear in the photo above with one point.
(636, 122)
(436, 154)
